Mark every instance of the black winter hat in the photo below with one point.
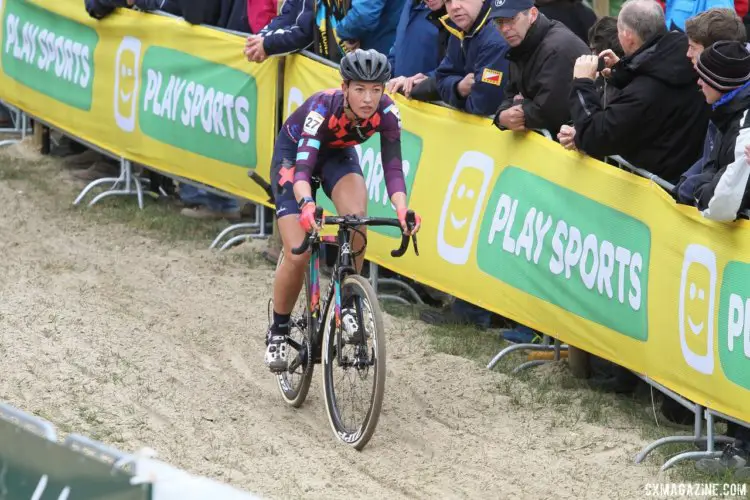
(724, 66)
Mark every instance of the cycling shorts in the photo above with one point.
(336, 163)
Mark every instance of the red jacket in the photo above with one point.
(260, 13)
(741, 6)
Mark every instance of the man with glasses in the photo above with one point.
(542, 55)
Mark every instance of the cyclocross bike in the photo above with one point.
(343, 332)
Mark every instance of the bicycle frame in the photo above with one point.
(341, 268)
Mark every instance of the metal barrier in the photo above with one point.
(548, 343)
(28, 422)
(20, 126)
(697, 438)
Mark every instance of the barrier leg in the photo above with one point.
(259, 225)
(20, 127)
(376, 282)
(696, 438)
(125, 185)
(697, 455)
(557, 347)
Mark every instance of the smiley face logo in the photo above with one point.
(295, 100)
(126, 82)
(462, 206)
(696, 308)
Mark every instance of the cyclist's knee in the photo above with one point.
(297, 262)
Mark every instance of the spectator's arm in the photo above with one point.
(600, 132)
(490, 70)
(289, 31)
(448, 75)
(363, 17)
(550, 105)
(724, 193)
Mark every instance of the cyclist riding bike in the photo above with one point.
(316, 144)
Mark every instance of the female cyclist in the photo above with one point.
(317, 141)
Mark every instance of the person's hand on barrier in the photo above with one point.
(513, 118)
(307, 217)
(413, 81)
(566, 137)
(610, 59)
(465, 85)
(395, 84)
(350, 45)
(401, 214)
(586, 67)
(254, 50)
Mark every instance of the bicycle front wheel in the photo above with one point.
(354, 363)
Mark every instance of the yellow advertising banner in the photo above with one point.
(156, 90)
(595, 256)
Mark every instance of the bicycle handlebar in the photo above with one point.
(353, 221)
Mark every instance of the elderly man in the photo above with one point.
(472, 75)
(659, 118)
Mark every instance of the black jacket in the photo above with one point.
(99, 9)
(659, 119)
(572, 13)
(727, 152)
(541, 69)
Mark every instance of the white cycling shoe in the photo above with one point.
(276, 347)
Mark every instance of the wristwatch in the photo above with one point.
(304, 201)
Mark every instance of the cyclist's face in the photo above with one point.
(363, 97)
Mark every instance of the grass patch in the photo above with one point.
(158, 218)
(572, 400)
(464, 341)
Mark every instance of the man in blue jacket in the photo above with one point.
(290, 31)
(418, 47)
(370, 24)
(472, 75)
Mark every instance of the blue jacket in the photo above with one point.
(291, 30)
(480, 51)
(416, 49)
(679, 11)
(372, 22)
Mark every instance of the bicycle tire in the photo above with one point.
(295, 396)
(358, 438)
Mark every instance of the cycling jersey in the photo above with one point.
(320, 124)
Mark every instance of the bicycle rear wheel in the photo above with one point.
(362, 363)
(295, 382)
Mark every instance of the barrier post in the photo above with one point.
(710, 439)
(20, 126)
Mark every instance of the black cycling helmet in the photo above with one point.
(365, 66)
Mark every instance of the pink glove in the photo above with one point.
(307, 217)
(401, 214)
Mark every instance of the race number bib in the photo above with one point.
(313, 121)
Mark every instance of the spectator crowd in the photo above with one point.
(664, 86)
